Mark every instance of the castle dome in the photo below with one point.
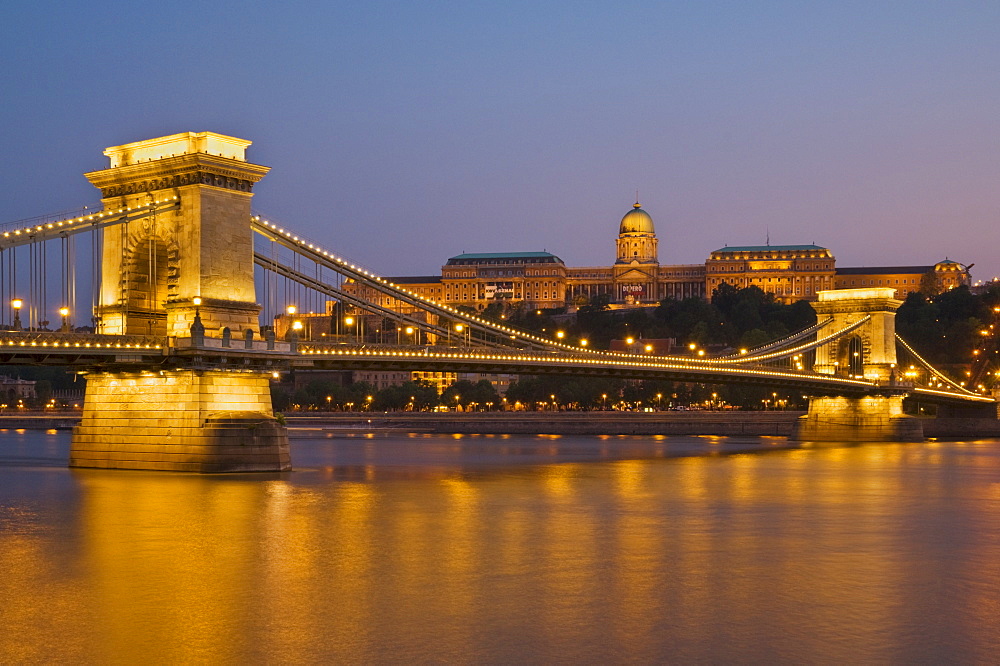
(636, 221)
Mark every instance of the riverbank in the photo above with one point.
(735, 423)
(559, 423)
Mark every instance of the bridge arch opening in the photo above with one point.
(150, 283)
(850, 359)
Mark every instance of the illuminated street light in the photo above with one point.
(64, 312)
(290, 310)
(584, 342)
(560, 335)
(17, 303)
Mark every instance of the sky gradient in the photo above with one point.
(401, 134)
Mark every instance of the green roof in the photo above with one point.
(503, 255)
(504, 258)
(768, 248)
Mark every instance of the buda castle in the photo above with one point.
(540, 280)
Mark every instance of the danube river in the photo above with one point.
(432, 548)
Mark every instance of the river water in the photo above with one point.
(431, 548)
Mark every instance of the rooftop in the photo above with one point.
(414, 279)
(883, 270)
(506, 257)
(770, 248)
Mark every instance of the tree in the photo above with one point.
(929, 284)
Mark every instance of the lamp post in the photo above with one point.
(348, 321)
(17, 303)
(64, 312)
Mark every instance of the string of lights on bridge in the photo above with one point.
(581, 354)
(73, 223)
(746, 356)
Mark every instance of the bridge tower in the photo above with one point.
(153, 269)
(867, 352)
(185, 274)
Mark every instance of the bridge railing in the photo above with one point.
(83, 340)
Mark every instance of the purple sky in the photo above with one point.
(404, 133)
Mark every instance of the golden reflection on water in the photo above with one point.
(873, 553)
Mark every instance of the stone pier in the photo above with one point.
(872, 418)
(180, 421)
(867, 352)
(185, 276)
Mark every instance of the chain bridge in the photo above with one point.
(186, 283)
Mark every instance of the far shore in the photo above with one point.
(720, 423)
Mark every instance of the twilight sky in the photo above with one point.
(402, 133)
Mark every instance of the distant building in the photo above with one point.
(790, 272)
(905, 280)
(13, 389)
(541, 280)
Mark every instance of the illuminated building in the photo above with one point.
(541, 280)
(790, 272)
(904, 279)
(636, 278)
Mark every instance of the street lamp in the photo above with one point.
(17, 303)
(64, 311)
(584, 342)
(560, 335)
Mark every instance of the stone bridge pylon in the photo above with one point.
(866, 352)
(186, 273)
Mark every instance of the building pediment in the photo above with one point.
(635, 275)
